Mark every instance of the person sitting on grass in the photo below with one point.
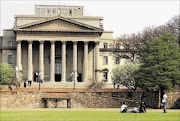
(123, 108)
(142, 108)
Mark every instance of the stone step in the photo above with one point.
(63, 85)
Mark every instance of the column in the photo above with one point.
(30, 60)
(96, 60)
(63, 74)
(18, 61)
(41, 58)
(52, 64)
(85, 64)
(74, 77)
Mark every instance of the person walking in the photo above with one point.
(164, 102)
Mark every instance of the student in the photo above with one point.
(123, 108)
(164, 102)
(142, 108)
(135, 110)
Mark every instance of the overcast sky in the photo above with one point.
(120, 16)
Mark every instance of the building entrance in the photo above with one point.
(58, 69)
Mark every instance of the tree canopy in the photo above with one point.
(160, 69)
(124, 74)
(8, 75)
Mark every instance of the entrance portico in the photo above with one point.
(62, 54)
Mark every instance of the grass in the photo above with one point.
(85, 115)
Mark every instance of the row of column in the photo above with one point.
(52, 61)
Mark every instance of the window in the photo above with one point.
(105, 60)
(105, 45)
(117, 60)
(105, 76)
(54, 11)
(10, 44)
(57, 68)
(117, 46)
(70, 12)
(10, 59)
(49, 12)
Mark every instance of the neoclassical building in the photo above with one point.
(61, 43)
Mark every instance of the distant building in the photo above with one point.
(61, 43)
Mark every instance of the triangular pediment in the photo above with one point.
(58, 24)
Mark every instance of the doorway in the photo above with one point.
(58, 69)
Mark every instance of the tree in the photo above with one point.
(134, 43)
(160, 64)
(124, 74)
(94, 84)
(8, 75)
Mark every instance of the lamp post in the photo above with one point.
(74, 74)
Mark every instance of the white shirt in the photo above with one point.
(164, 98)
(123, 107)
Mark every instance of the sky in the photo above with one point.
(119, 16)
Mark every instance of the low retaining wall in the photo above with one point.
(13, 99)
(99, 99)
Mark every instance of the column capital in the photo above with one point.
(86, 42)
(18, 41)
(52, 42)
(30, 41)
(41, 41)
(75, 42)
(63, 42)
(97, 42)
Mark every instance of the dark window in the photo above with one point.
(117, 60)
(117, 46)
(10, 44)
(105, 76)
(10, 59)
(54, 11)
(105, 45)
(105, 60)
(70, 12)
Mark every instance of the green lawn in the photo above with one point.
(85, 115)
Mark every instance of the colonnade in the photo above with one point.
(52, 60)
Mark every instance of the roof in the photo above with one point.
(90, 29)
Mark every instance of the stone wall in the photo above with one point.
(84, 99)
(21, 99)
(113, 99)
(173, 99)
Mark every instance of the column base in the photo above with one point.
(74, 80)
(63, 80)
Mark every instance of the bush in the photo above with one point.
(94, 84)
(8, 75)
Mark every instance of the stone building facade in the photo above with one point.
(60, 43)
